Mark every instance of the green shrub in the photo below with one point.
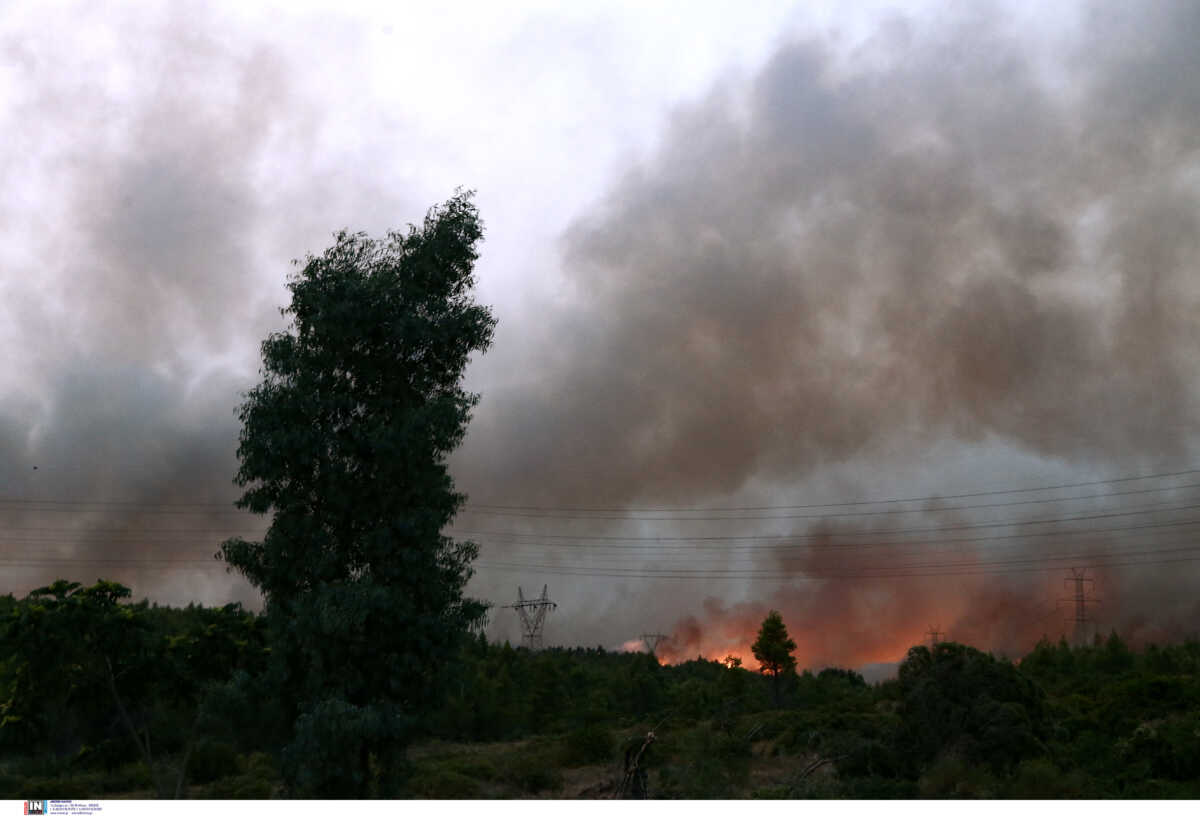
(211, 761)
(257, 777)
(702, 764)
(589, 745)
(1169, 747)
(772, 792)
(245, 786)
(132, 776)
(1041, 779)
(441, 783)
(475, 765)
(959, 699)
(108, 755)
(532, 769)
(71, 786)
(953, 778)
(536, 778)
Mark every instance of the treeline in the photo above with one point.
(102, 696)
(99, 695)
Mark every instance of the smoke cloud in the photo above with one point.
(154, 200)
(959, 251)
(956, 234)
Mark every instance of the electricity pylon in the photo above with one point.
(1080, 601)
(533, 615)
(652, 641)
(935, 637)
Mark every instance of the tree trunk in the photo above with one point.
(143, 746)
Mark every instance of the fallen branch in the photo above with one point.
(809, 770)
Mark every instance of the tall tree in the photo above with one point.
(773, 651)
(345, 441)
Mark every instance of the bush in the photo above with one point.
(959, 700)
(442, 783)
(772, 792)
(589, 745)
(702, 764)
(73, 786)
(952, 778)
(211, 761)
(246, 786)
(108, 755)
(130, 777)
(536, 778)
(533, 770)
(476, 766)
(259, 779)
(1170, 747)
(1041, 779)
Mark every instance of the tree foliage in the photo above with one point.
(1096, 721)
(960, 701)
(345, 441)
(773, 650)
(90, 678)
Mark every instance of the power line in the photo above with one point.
(1155, 529)
(858, 514)
(141, 512)
(135, 504)
(869, 573)
(691, 555)
(550, 508)
(947, 565)
(777, 575)
(231, 531)
(849, 503)
(27, 505)
(899, 570)
(205, 530)
(674, 544)
(1166, 507)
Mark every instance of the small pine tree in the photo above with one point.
(773, 651)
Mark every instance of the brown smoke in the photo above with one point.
(957, 252)
(159, 178)
(956, 235)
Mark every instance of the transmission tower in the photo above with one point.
(935, 637)
(1080, 601)
(653, 640)
(532, 612)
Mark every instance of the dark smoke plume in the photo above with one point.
(957, 253)
(956, 234)
(158, 183)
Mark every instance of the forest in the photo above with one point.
(103, 697)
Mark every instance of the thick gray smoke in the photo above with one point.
(958, 252)
(157, 185)
(956, 234)
(929, 237)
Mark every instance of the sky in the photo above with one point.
(799, 259)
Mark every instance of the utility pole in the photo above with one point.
(1080, 602)
(652, 641)
(532, 612)
(935, 637)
